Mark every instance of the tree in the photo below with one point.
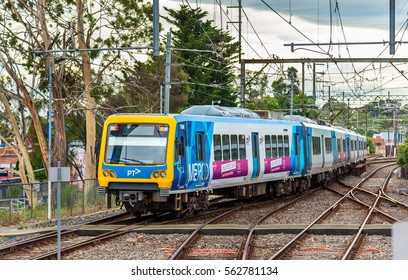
(402, 158)
(206, 55)
(281, 91)
(50, 25)
(141, 89)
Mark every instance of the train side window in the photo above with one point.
(329, 146)
(200, 148)
(176, 153)
(181, 149)
(297, 142)
(280, 145)
(274, 146)
(286, 145)
(242, 148)
(226, 154)
(267, 146)
(316, 145)
(217, 147)
(234, 147)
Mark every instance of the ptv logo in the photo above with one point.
(133, 172)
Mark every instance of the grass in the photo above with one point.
(72, 204)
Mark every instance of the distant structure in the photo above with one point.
(8, 158)
(384, 143)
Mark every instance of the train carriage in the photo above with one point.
(173, 162)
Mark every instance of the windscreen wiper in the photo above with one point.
(134, 161)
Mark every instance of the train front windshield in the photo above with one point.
(137, 144)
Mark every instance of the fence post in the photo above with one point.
(9, 196)
(32, 204)
(83, 197)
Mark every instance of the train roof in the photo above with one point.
(220, 111)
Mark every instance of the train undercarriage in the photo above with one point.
(142, 202)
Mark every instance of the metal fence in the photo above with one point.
(77, 198)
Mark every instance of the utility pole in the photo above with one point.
(239, 7)
(392, 26)
(395, 131)
(314, 83)
(303, 87)
(242, 84)
(50, 114)
(348, 109)
(330, 111)
(291, 91)
(167, 78)
(156, 48)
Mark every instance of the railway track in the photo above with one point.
(253, 239)
(348, 246)
(191, 248)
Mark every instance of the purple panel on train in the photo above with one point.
(273, 165)
(230, 169)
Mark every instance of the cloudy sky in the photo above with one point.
(265, 30)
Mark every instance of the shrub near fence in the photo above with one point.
(14, 207)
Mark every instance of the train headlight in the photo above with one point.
(106, 173)
(112, 174)
(162, 174)
(156, 174)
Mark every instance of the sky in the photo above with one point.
(268, 25)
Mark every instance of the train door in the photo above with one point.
(348, 150)
(181, 165)
(296, 164)
(323, 149)
(358, 148)
(199, 171)
(255, 154)
(334, 148)
(309, 151)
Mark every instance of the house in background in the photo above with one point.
(8, 158)
(384, 143)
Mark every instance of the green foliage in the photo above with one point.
(15, 192)
(370, 144)
(68, 196)
(402, 155)
(21, 226)
(281, 89)
(264, 103)
(210, 72)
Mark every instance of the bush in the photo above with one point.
(402, 155)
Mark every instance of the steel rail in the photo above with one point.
(292, 242)
(192, 236)
(4, 250)
(393, 219)
(246, 249)
(358, 236)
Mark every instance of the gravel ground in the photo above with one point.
(376, 247)
(132, 246)
(209, 247)
(297, 213)
(320, 247)
(264, 246)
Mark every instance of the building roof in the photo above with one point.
(8, 156)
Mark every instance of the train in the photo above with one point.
(177, 162)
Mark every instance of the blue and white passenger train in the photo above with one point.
(173, 162)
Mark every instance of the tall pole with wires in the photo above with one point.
(392, 26)
(167, 78)
(291, 74)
